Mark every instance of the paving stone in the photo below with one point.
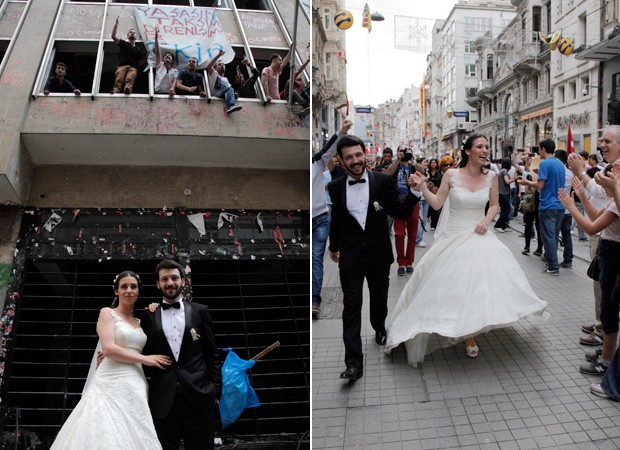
(523, 391)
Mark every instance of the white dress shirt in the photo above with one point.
(164, 78)
(173, 323)
(357, 199)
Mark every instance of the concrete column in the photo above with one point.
(16, 84)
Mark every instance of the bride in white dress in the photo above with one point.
(113, 412)
(469, 282)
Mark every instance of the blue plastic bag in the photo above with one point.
(237, 394)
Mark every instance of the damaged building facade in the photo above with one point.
(98, 183)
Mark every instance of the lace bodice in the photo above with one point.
(127, 336)
(466, 208)
(113, 412)
(432, 313)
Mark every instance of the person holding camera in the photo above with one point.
(404, 227)
(505, 181)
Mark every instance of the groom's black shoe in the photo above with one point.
(381, 337)
(352, 373)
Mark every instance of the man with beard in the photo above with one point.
(189, 81)
(182, 397)
(386, 161)
(360, 244)
(605, 328)
(130, 61)
(164, 72)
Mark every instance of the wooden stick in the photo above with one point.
(267, 350)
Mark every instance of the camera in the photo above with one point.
(408, 154)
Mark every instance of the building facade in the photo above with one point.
(456, 77)
(575, 101)
(329, 74)
(602, 49)
(99, 183)
(514, 96)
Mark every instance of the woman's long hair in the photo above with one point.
(467, 145)
(117, 280)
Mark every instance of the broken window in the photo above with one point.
(260, 5)
(236, 67)
(4, 45)
(108, 69)
(171, 2)
(80, 59)
(212, 3)
(262, 57)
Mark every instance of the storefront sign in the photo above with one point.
(574, 119)
(540, 112)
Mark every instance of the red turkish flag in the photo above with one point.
(570, 148)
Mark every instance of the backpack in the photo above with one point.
(527, 204)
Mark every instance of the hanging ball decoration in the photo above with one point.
(343, 19)
(565, 46)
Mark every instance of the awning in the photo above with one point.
(603, 51)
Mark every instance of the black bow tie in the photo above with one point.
(361, 180)
(166, 306)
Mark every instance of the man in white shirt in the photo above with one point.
(164, 72)
(219, 85)
(359, 241)
(182, 397)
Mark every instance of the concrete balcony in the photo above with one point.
(527, 60)
(485, 89)
(163, 132)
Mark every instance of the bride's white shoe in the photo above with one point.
(472, 352)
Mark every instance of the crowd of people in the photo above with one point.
(360, 203)
(171, 81)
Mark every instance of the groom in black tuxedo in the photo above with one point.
(359, 241)
(182, 397)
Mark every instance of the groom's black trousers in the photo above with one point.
(352, 282)
(184, 421)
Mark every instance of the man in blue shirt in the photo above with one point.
(189, 81)
(551, 211)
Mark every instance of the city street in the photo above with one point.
(524, 391)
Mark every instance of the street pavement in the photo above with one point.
(524, 391)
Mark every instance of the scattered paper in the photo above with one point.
(228, 217)
(198, 220)
(54, 220)
(259, 221)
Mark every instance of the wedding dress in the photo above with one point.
(113, 412)
(466, 284)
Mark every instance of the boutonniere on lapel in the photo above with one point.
(377, 206)
(195, 335)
